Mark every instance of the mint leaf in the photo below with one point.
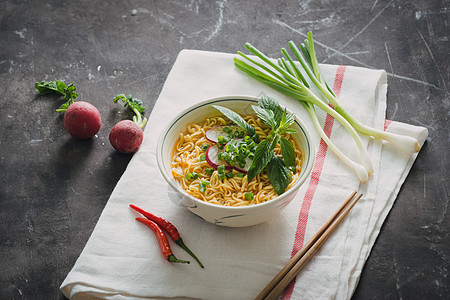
(272, 105)
(236, 118)
(278, 174)
(288, 153)
(286, 121)
(267, 116)
(263, 154)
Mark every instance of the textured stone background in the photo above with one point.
(53, 188)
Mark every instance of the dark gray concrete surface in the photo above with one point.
(53, 187)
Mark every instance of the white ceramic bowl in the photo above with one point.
(218, 214)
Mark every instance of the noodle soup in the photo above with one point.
(195, 174)
(187, 123)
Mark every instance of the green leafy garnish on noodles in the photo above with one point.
(278, 168)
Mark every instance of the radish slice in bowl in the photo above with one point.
(215, 132)
(244, 169)
(212, 158)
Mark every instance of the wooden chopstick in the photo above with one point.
(277, 285)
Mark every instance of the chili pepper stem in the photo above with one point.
(173, 259)
(182, 245)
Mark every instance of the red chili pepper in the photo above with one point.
(162, 240)
(169, 228)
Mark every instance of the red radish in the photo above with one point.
(126, 136)
(213, 160)
(82, 120)
(215, 132)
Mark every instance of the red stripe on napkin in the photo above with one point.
(314, 181)
(386, 124)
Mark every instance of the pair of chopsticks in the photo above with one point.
(299, 260)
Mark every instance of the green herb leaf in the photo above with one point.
(278, 174)
(288, 153)
(272, 105)
(290, 130)
(286, 121)
(267, 116)
(236, 118)
(263, 155)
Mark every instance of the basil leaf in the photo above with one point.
(267, 116)
(263, 155)
(278, 174)
(289, 130)
(288, 153)
(272, 105)
(236, 118)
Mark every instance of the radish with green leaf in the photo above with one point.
(81, 119)
(126, 136)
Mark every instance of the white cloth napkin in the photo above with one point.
(122, 260)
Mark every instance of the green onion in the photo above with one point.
(202, 157)
(209, 171)
(191, 176)
(249, 196)
(287, 77)
(204, 147)
(230, 174)
(227, 129)
(221, 169)
(202, 185)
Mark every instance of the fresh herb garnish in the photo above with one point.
(202, 185)
(278, 168)
(191, 176)
(58, 87)
(236, 118)
(249, 196)
(236, 152)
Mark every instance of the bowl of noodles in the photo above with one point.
(191, 157)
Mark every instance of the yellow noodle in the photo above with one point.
(229, 191)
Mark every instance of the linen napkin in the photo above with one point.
(121, 259)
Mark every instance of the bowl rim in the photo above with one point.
(172, 182)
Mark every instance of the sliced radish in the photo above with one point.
(212, 158)
(248, 164)
(215, 132)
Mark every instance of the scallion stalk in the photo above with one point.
(286, 77)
